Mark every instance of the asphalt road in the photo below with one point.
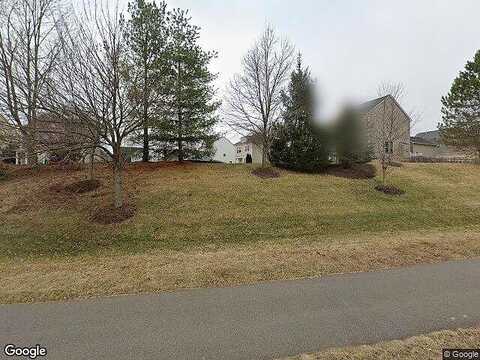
(261, 321)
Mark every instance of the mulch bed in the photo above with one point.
(389, 190)
(266, 173)
(357, 171)
(395, 164)
(84, 186)
(111, 215)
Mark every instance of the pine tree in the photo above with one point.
(298, 143)
(146, 37)
(189, 106)
(461, 109)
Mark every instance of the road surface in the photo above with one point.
(261, 321)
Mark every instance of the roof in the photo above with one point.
(255, 139)
(369, 105)
(421, 141)
(432, 136)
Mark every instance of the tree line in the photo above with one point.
(94, 78)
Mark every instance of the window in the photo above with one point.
(247, 148)
(388, 147)
(239, 151)
(224, 155)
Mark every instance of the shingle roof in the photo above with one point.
(369, 105)
(421, 141)
(432, 136)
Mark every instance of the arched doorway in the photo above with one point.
(248, 159)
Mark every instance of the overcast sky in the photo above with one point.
(352, 46)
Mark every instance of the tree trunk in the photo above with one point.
(384, 172)
(264, 154)
(30, 150)
(91, 166)
(146, 143)
(118, 184)
(180, 150)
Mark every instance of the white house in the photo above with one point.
(248, 151)
(224, 151)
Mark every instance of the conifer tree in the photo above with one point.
(147, 40)
(188, 108)
(461, 109)
(298, 143)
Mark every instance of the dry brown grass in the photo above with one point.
(217, 225)
(424, 347)
(157, 270)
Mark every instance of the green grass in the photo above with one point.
(214, 206)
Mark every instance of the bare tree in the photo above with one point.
(93, 85)
(390, 126)
(30, 32)
(253, 102)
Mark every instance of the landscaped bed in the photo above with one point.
(217, 225)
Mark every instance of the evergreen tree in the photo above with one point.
(461, 109)
(350, 142)
(298, 143)
(146, 38)
(189, 106)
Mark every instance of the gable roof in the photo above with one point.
(369, 105)
(255, 139)
(421, 141)
(432, 136)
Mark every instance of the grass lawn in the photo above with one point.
(217, 225)
(424, 347)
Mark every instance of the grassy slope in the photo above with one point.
(200, 225)
(424, 347)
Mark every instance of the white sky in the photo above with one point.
(352, 46)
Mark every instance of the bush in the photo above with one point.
(298, 144)
(350, 142)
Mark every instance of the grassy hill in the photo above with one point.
(213, 224)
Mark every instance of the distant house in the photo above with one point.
(247, 151)
(429, 144)
(372, 116)
(224, 151)
(422, 147)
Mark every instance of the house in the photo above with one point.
(422, 147)
(429, 144)
(387, 127)
(248, 151)
(224, 151)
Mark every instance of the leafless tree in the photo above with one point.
(93, 85)
(390, 127)
(30, 32)
(253, 101)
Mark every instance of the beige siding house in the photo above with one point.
(387, 127)
(422, 147)
(429, 144)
